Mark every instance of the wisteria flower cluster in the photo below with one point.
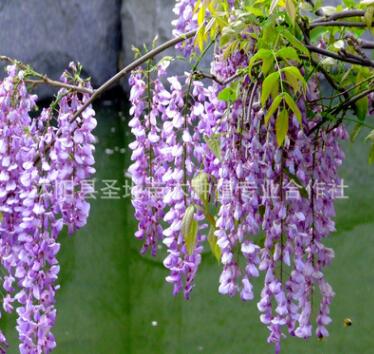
(42, 165)
(201, 153)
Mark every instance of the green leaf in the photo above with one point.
(291, 10)
(293, 82)
(362, 107)
(214, 145)
(288, 53)
(212, 240)
(274, 106)
(317, 32)
(267, 64)
(1, 216)
(200, 37)
(349, 3)
(370, 136)
(268, 85)
(281, 126)
(292, 104)
(227, 95)
(254, 11)
(302, 190)
(295, 72)
(371, 155)
(192, 237)
(367, 2)
(369, 13)
(200, 184)
(294, 41)
(261, 54)
(355, 132)
(273, 5)
(262, 210)
(189, 229)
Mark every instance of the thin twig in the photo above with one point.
(48, 81)
(44, 79)
(203, 75)
(343, 106)
(251, 99)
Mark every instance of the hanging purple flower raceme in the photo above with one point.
(185, 21)
(16, 148)
(147, 169)
(182, 260)
(72, 155)
(33, 164)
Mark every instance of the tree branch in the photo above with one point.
(352, 59)
(342, 14)
(48, 81)
(338, 24)
(151, 54)
(366, 44)
(346, 104)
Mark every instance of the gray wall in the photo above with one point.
(48, 34)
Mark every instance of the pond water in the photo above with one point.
(114, 301)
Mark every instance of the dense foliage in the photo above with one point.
(242, 158)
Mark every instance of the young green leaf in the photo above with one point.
(273, 5)
(369, 13)
(274, 106)
(288, 53)
(293, 41)
(371, 155)
(370, 136)
(192, 237)
(255, 11)
(293, 178)
(317, 32)
(200, 184)
(214, 145)
(212, 240)
(201, 34)
(355, 132)
(293, 106)
(187, 220)
(260, 55)
(291, 10)
(362, 107)
(296, 74)
(281, 126)
(293, 82)
(267, 64)
(189, 229)
(268, 85)
(227, 95)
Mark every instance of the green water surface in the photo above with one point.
(114, 301)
